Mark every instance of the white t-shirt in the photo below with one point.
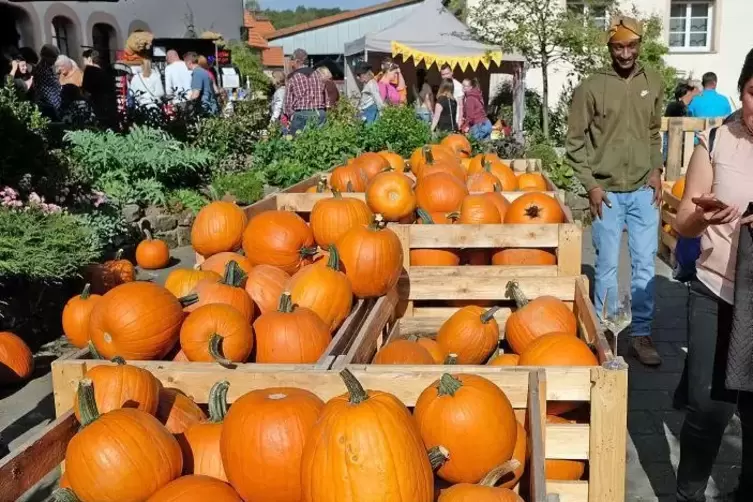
(177, 81)
(147, 90)
(459, 95)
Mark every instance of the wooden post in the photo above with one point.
(569, 250)
(674, 149)
(536, 434)
(66, 374)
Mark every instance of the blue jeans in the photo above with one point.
(302, 117)
(481, 131)
(370, 114)
(636, 210)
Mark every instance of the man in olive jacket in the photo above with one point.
(614, 147)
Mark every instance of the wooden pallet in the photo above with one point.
(602, 442)
(526, 389)
(668, 239)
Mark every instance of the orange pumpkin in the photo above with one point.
(195, 489)
(433, 257)
(472, 333)
(465, 164)
(535, 207)
(178, 412)
(63, 482)
(451, 169)
(563, 470)
(519, 454)
(217, 332)
(264, 285)
(531, 181)
(486, 489)
(290, 335)
(499, 201)
(508, 182)
(181, 282)
(361, 436)
(427, 218)
(391, 195)
(678, 189)
(473, 419)
(403, 352)
(320, 187)
(483, 181)
(331, 217)
(136, 321)
(323, 289)
(16, 359)
(505, 360)
(373, 258)
(438, 154)
(228, 291)
(152, 254)
(534, 318)
(396, 161)
(122, 455)
(279, 238)
(438, 354)
(218, 227)
(348, 178)
(440, 193)
(459, 144)
(263, 440)
(524, 257)
(111, 273)
(201, 449)
(76, 315)
(478, 210)
(477, 162)
(218, 263)
(371, 164)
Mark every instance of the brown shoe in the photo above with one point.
(642, 347)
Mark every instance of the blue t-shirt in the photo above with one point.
(709, 104)
(202, 82)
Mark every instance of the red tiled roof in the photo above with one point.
(273, 57)
(256, 40)
(343, 16)
(258, 28)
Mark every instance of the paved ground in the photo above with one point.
(652, 423)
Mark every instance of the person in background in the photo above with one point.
(202, 88)
(46, 86)
(177, 78)
(445, 111)
(305, 99)
(330, 88)
(716, 380)
(21, 76)
(98, 86)
(457, 93)
(75, 110)
(204, 63)
(684, 93)
(146, 86)
(614, 146)
(278, 99)
(371, 99)
(478, 124)
(391, 83)
(709, 104)
(68, 71)
(424, 97)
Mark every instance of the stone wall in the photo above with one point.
(174, 229)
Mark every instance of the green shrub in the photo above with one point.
(249, 66)
(185, 198)
(556, 167)
(246, 187)
(236, 134)
(398, 129)
(107, 228)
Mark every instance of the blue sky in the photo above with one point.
(292, 4)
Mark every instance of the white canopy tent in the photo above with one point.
(431, 35)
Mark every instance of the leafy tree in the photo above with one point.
(285, 18)
(249, 66)
(459, 8)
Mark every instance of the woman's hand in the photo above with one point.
(716, 216)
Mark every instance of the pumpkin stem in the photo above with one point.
(412, 338)
(355, 389)
(119, 254)
(64, 495)
(425, 216)
(307, 252)
(86, 292)
(349, 187)
(93, 351)
(147, 233)
(451, 359)
(493, 477)
(512, 291)
(321, 186)
(87, 405)
(449, 385)
(215, 350)
(286, 303)
(489, 315)
(187, 300)
(497, 187)
(334, 258)
(218, 401)
(428, 155)
(486, 164)
(438, 456)
(378, 222)
(336, 194)
(118, 360)
(455, 215)
(533, 211)
(234, 275)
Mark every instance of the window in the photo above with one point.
(60, 34)
(593, 10)
(690, 25)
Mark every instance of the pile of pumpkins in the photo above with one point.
(140, 441)
(678, 189)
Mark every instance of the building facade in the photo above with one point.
(702, 36)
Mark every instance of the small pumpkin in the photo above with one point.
(111, 273)
(279, 238)
(438, 354)
(499, 201)
(403, 351)
(330, 218)
(218, 227)
(535, 208)
(472, 333)
(524, 257)
(291, 335)
(178, 412)
(218, 263)
(228, 291)
(16, 359)
(201, 450)
(505, 360)
(478, 210)
(678, 189)
(438, 154)
(264, 285)
(433, 257)
(263, 440)
(371, 164)
(534, 318)
(508, 182)
(181, 282)
(531, 181)
(216, 332)
(473, 419)
(360, 436)
(395, 160)
(440, 193)
(562, 470)
(373, 258)
(152, 254)
(76, 315)
(459, 144)
(486, 489)
(483, 181)
(195, 489)
(124, 455)
(391, 195)
(348, 178)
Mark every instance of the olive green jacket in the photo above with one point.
(613, 137)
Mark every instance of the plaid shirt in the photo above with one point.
(304, 92)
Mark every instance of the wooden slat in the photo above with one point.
(486, 271)
(591, 328)
(669, 241)
(65, 377)
(674, 149)
(435, 316)
(484, 236)
(569, 491)
(537, 444)
(567, 441)
(570, 249)
(464, 286)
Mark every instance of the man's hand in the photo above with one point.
(654, 181)
(597, 196)
(717, 215)
(13, 67)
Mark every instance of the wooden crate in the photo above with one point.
(681, 133)
(601, 442)
(667, 236)
(526, 389)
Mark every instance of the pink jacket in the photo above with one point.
(389, 93)
(473, 107)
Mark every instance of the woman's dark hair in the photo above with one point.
(681, 90)
(94, 55)
(746, 74)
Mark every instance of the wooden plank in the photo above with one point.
(435, 316)
(24, 467)
(403, 234)
(464, 286)
(569, 491)
(570, 249)
(567, 441)
(674, 149)
(65, 377)
(484, 236)
(537, 392)
(591, 328)
(668, 217)
(365, 344)
(486, 271)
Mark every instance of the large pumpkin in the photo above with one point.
(290, 335)
(323, 289)
(263, 440)
(483, 181)
(436, 154)
(279, 238)
(195, 489)
(403, 352)
(395, 160)
(229, 291)
(534, 318)
(391, 195)
(111, 273)
(122, 386)
(451, 168)
(433, 257)
(486, 489)
(218, 263)
(178, 412)
(535, 207)
(217, 332)
(471, 333)
(152, 254)
(678, 189)
(373, 258)
(136, 321)
(473, 419)
(459, 144)
(478, 210)
(16, 359)
(524, 257)
(440, 193)
(370, 439)
(264, 285)
(201, 450)
(499, 201)
(76, 315)
(563, 470)
(124, 455)
(348, 178)
(508, 182)
(371, 164)
(331, 217)
(218, 227)
(181, 282)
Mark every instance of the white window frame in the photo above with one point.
(688, 16)
(61, 33)
(586, 11)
